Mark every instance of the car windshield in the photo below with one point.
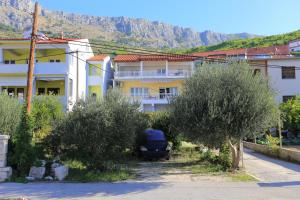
(155, 135)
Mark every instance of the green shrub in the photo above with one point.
(291, 114)
(162, 121)
(46, 112)
(209, 156)
(10, 109)
(224, 158)
(98, 132)
(22, 155)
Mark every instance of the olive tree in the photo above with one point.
(223, 103)
(10, 111)
(98, 131)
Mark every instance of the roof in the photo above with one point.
(100, 57)
(230, 52)
(281, 50)
(272, 50)
(46, 41)
(137, 58)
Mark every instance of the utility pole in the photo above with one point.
(31, 56)
(77, 75)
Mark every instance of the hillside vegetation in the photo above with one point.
(8, 32)
(249, 43)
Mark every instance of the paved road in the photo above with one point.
(270, 169)
(279, 181)
(156, 190)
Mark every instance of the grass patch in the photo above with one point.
(204, 167)
(16, 179)
(84, 175)
(79, 173)
(241, 177)
(197, 163)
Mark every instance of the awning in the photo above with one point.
(49, 78)
(13, 81)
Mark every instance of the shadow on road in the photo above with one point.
(72, 190)
(280, 184)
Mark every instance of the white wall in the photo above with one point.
(294, 46)
(106, 74)
(284, 87)
(85, 52)
(1, 55)
(13, 81)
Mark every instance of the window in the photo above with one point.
(288, 72)
(58, 61)
(70, 87)
(287, 98)
(168, 92)
(20, 93)
(41, 91)
(52, 61)
(257, 71)
(139, 92)
(161, 72)
(9, 62)
(53, 91)
(11, 92)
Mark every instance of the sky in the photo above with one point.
(263, 17)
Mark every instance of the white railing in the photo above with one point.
(40, 68)
(152, 74)
(168, 96)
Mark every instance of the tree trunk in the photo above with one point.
(236, 154)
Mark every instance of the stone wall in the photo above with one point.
(5, 172)
(281, 153)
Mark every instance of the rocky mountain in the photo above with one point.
(122, 30)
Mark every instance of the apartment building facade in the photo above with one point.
(152, 80)
(280, 64)
(99, 77)
(60, 68)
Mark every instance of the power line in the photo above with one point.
(158, 53)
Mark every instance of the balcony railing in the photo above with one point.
(152, 74)
(40, 68)
(167, 96)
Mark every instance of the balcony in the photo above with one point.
(154, 99)
(152, 74)
(40, 68)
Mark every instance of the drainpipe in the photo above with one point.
(141, 68)
(77, 75)
(167, 68)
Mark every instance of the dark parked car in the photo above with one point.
(155, 145)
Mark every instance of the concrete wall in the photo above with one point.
(281, 153)
(5, 172)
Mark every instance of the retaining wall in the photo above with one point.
(281, 153)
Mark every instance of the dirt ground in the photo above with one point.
(171, 171)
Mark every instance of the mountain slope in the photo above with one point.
(248, 43)
(122, 30)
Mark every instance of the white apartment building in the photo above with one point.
(59, 70)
